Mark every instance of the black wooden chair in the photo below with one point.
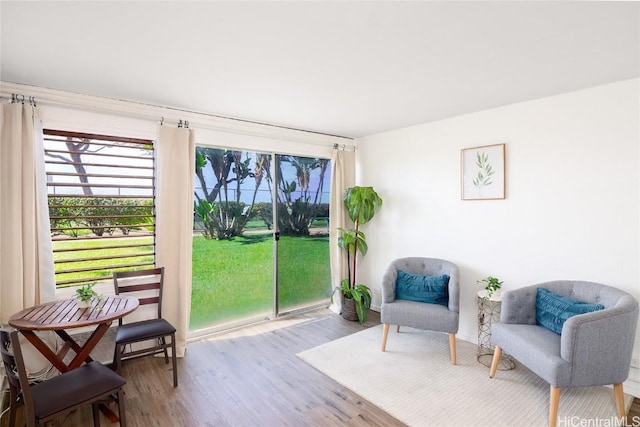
(147, 286)
(15, 397)
(90, 384)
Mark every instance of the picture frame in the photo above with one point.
(483, 172)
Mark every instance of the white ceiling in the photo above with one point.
(342, 68)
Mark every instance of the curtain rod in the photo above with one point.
(344, 147)
(21, 99)
(156, 113)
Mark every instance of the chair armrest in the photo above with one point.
(519, 306)
(454, 288)
(389, 285)
(599, 344)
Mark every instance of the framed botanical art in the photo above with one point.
(483, 176)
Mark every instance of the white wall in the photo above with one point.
(572, 205)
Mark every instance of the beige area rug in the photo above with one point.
(415, 382)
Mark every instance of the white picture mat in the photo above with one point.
(483, 172)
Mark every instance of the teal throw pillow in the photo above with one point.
(552, 310)
(429, 289)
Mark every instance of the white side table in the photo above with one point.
(488, 314)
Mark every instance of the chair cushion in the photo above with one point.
(552, 310)
(78, 386)
(434, 317)
(428, 289)
(145, 329)
(535, 347)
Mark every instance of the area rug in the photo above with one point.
(415, 382)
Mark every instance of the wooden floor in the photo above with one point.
(247, 377)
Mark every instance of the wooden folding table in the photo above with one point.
(59, 316)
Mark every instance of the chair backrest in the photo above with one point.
(590, 292)
(146, 285)
(425, 267)
(14, 366)
(596, 347)
(8, 359)
(5, 339)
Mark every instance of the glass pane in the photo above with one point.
(304, 275)
(232, 242)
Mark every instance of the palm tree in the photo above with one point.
(297, 214)
(223, 214)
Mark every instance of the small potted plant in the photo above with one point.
(491, 285)
(85, 294)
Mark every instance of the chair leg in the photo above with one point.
(385, 333)
(13, 402)
(554, 399)
(174, 357)
(163, 342)
(497, 354)
(117, 361)
(398, 329)
(121, 412)
(96, 414)
(452, 348)
(617, 390)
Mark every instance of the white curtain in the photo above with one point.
(342, 177)
(175, 168)
(26, 258)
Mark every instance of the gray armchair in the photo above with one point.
(593, 349)
(420, 315)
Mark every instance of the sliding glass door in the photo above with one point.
(303, 271)
(232, 269)
(260, 243)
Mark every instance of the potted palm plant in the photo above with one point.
(361, 203)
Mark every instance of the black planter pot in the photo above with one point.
(349, 309)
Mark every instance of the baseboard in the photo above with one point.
(632, 387)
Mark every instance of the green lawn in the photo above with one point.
(305, 272)
(76, 257)
(233, 279)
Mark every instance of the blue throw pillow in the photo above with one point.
(552, 310)
(429, 289)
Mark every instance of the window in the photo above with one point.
(101, 204)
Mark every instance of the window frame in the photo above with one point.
(118, 168)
